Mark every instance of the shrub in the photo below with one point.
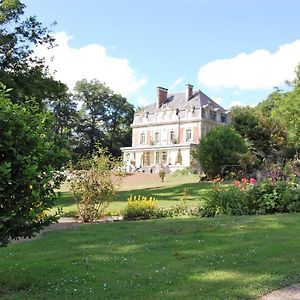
(219, 150)
(140, 207)
(29, 162)
(274, 197)
(95, 184)
(248, 197)
(162, 174)
(226, 200)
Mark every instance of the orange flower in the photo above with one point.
(237, 183)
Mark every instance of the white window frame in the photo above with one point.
(188, 138)
(142, 138)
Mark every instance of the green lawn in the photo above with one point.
(182, 258)
(168, 193)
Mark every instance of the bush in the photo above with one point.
(95, 184)
(218, 151)
(29, 164)
(226, 200)
(140, 207)
(274, 197)
(248, 197)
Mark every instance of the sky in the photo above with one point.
(235, 51)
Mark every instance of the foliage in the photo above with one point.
(218, 151)
(185, 171)
(140, 207)
(278, 193)
(284, 108)
(230, 199)
(30, 156)
(95, 184)
(106, 118)
(266, 138)
(28, 76)
(162, 174)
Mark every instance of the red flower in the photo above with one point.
(244, 180)
(252, 181)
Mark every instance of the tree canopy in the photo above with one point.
(218, 151)
(28, 76)
(105, 118)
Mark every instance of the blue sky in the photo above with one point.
(234, 51)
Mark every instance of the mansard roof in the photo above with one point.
(179, 101)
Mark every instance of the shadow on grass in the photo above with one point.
(220, 258)
(190, 191)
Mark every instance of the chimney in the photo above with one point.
(161, 96)
(188, 92)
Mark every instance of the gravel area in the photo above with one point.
(288, 293)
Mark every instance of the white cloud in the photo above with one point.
(90, 62)
(260, 69)
(218, 100)
(235, 103)
(176, 83)
(143, 101)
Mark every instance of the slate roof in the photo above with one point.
(178, 100)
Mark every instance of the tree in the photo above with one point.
(30, 155)
(105, 118)
(28, 76)
(283, 107)
(217, 151)
(265, 135)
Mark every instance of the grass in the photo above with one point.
(182, 258)
(168, 193)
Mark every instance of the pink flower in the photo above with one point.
(252, 181)
(244, 180)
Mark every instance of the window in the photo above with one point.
(172, 136)
(156, 137)
(142, 138)
(188, 135)
(213, 115)
(223, 118)
(164, 157)
(157, 158)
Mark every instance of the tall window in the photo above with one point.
(188, 135)
(157, 158)
(142, 138)
(156, 137)
(172, 136)
(164, 157)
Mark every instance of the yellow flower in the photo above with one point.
(30, 186)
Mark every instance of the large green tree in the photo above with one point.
(105, 118)
(28, 76)
(266, 136)
(218, 152)
(284, 107)
(30, 158)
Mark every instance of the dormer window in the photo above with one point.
(213, 115)
(223, 118)
(188, 135)
(142, 138)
